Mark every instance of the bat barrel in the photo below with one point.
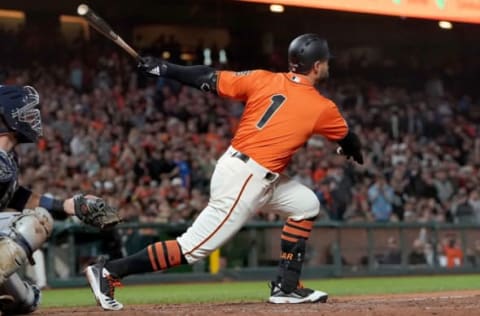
(100, 25)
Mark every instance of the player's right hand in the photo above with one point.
(351, 147)
(355, 155)
(152, 66)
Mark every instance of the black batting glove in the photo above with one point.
(351, 147)
(357, 157)
(152, 66)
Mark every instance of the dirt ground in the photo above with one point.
(438, 304)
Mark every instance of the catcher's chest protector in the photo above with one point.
(8, 178)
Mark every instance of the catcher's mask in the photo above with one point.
(18, 111)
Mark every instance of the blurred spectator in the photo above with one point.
(339, 186)
(380, 195)
(462, 209)
(393, 254)
(444, 186)
(472, 256)
(359, 209)
(410, 211)
(474, 201)
(452, 255)
(417, 255)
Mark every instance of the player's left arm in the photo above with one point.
(200, 77)
(90, 209)
(333, 126)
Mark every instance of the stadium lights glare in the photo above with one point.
(277, 8)
(166, 55)
(445, 25)
(12, 14)
(71, 19)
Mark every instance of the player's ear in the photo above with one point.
(317, 66)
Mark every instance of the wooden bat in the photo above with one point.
(100, 25)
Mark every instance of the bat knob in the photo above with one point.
(82, 9)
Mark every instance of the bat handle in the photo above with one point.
(128, 49)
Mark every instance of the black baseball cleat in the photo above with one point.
(103, 285)
(23, 305)
(299, 295)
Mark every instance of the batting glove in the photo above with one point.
(152, 66)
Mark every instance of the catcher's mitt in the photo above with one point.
(95, 211)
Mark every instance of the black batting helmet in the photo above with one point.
(305, 50)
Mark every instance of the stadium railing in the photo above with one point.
(334, 250)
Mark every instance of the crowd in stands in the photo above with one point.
(149, 146)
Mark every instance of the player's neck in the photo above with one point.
(311, 78)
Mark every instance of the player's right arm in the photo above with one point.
(333, 126)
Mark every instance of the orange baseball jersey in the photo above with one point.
(282, 111)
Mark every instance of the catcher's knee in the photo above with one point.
(18, 297)
(26, 233)
(32, 228)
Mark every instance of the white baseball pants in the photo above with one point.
(237, 190)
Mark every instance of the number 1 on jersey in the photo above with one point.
(277, 102)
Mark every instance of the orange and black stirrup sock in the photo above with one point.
(294, 230)
(294, 237)
(158, 256)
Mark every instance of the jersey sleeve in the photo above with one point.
(237, 85)
(331, 124)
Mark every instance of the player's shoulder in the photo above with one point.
(7, 167)
(253, 73)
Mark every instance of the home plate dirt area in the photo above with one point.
(438, 304)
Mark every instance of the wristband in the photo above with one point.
(54, 206)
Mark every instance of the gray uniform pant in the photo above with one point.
(16, 295)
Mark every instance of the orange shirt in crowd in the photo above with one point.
(282, 111)
(453, 255)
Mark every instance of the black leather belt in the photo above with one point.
(269, 175)
(241, 156)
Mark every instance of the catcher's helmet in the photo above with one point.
(305, 50)
(17, 109)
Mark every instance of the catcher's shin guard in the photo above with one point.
(18, 297)
(294, 236)
(26, 234)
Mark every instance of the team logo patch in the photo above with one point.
(242, 73)
(296, 79)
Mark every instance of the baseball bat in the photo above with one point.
(100, 25)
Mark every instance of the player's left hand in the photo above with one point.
(95, 211)
(151, 66)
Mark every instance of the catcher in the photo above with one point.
(26, 218)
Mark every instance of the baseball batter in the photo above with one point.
(282, 111)
(26, 218)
